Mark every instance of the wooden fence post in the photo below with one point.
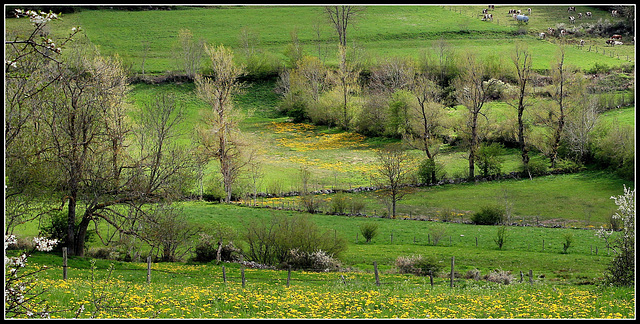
(431, 278)
(288, 276)
(242, 274)
(452, 267)
(476, 241)
(375, 270)
(531, 276)
(149, 269)
(64, 263)
(224, 275)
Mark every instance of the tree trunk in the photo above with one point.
(473, 144)
(71, 225)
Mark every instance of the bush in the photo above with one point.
(499, 276)
(312, 261)
(270, 242)
(501, 237)
(489, 160)
(436, 233)
(419, 265)
(427, 168)
(369, 231)
(537, 167)
(568, 239)
(356, 206)
(57, 229)
(488, 215)
(206, 250)
(339, 204)
(310, 203)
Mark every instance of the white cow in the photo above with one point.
(542, 35)
(582, 42)
(588, 14)
(572, 19)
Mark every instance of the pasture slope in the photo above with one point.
(564, 285)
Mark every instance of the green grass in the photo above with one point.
(184, 291)
(408, 31)
(625, 116)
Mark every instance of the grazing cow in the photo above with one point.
(484, 11)
(563, 32)
(617, 43)
(518, 12)
(580, 15)
(542, 35)
(492, 7)
(582, 42)
(487, 17)
(572, 19)
(616, 36)
(529, 11)
(522, 18)
(571, 9)
(588, 14)
(551, 30)
(614, 13)
(609, 42)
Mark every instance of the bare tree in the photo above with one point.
(189, 53)
(427, 118)
(561, 79)
(394, 168)
(473, 92)
(579, 125)
(220, 136)
(340, 17)
(521, 59)
(347, 78)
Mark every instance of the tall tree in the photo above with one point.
(562, 81)
(220, 135)
(521, 59)
(189, 53)
(32, 65)
(393, 170)
(473, 92)
(427, 118)
(340, 17)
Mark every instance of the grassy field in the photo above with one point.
(565, 286)
(406, 31)
(198, 291)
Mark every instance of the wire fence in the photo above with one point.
(242, 275)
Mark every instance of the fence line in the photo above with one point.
(288, 280)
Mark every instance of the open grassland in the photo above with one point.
(381, 31)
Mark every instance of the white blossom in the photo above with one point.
(44, 244)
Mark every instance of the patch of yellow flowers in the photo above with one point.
(302, 300)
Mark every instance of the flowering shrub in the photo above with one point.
(20, 289)
(314, 261)
(622, 269)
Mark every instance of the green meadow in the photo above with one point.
(542, 210)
